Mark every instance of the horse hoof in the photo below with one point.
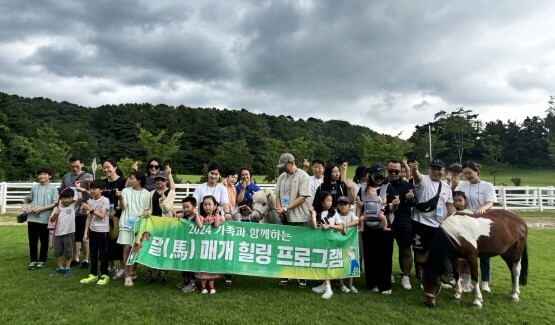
(457, 297)
(477, 305)
(515, 298)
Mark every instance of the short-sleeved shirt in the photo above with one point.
(350, 217)
(292, 186)
(66, 221)
(477, 194)
(100, 224)
(426, 190)
(314, 184)
(135, 203)
(219, 192)
(249, 192)
(333, 220)
(42, 196)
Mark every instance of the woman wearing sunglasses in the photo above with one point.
(153, 166)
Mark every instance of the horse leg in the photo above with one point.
(516, 275)
(458, 288)
(473, 265)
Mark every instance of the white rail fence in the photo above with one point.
(509, 197)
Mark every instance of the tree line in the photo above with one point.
(39, 131)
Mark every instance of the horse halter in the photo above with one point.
(431, 295)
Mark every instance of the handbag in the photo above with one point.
(114, 228)
(431, 204)
(22, 216)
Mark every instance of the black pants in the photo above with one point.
(98, 250)
(378, 253)
(36, 231)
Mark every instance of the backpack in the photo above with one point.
(372, 207)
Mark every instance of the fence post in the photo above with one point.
(4, 194)
(504, 197)
(540, 201)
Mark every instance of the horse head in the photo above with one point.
(431, 283)
(263, 205)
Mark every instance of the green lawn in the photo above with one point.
(33, 297)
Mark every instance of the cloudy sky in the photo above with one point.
(388, 65)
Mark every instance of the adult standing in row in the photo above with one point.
(402, 227)
(316, 178)
(427, 215)
(114, 183)
(292, 190)
(377, 243)
(334, 185)
(77, 173)
(214, 188)
(153, 166)
(480, 196)
(245, 189)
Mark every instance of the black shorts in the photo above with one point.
(423, 236)
(80, 221)
(403, 237)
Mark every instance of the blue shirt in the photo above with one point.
(249, 191)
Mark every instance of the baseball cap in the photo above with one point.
(437, 163)
(376, 169)
(161, 174)
(343, 199)
(456, 168)
(284, 159)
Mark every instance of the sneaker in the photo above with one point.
(284, 281)
(85, 265)
(149, 278)
(112, 272)
(446, 286)
(327, 294)
(89, 279)
(485, 286)
(386, 292)
(319, 289)
(32, 266)
(228, 279)
(353, 289)
(405, 283)
(181, 284)
(302, 283)
(128, 281)
(73, 263)
(40, 265)
(212, 289)
(188, 288)
(345, 289)
(67, 272)
(392, 279)
(203, 289)
(103, 280)
(119, 274)
(56, 271)
(375, 289)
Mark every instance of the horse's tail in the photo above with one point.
(523, 279)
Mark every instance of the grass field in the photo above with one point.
(530, 177)
(33, 297)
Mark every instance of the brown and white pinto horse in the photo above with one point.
(497, 232)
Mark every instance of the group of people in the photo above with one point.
(93, 222)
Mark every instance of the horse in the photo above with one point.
(264, 203)
(469, 236)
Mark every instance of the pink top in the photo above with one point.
(210, 219)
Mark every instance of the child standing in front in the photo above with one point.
(325, 217)
(459, 201)
(209, 214)
(350, 220)
(64, 233)
(189, 205)
(97, 227)
(43, 199)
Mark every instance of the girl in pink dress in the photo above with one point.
(208, 214)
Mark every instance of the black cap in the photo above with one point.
(437, 163)
(456, 168)
(343, 199)
(376, 167)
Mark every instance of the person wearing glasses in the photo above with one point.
(402, 228)
(377, 243)
(153, 166)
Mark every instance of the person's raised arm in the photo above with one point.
(417, 177)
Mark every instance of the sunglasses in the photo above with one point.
(394, 171)
(154, 166)
(379, 177)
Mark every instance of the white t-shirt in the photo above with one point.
(477, 194)
(426, 190)
(136, 202)
(348, 218)
(335, 220)
(100, 224)
(219, 192)
(314, 184)
(66, 221)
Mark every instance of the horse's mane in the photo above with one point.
(469, 227)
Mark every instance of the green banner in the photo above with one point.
(247, 248)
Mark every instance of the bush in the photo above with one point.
(516, 181)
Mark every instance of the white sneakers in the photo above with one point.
(119, 274)
(319, 289)
(405, 282)
(485, 286)
(345, 289)
(327, 294)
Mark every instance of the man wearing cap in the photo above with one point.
(402, 228)
(426, 223)
(292, 190)
(454, 175)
